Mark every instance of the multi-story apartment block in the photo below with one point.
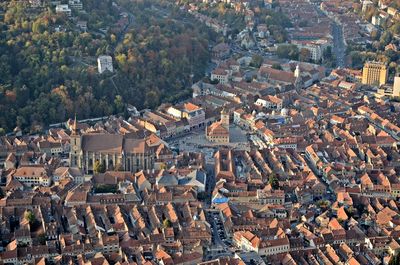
(374, 73)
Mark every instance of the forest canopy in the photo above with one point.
(48, 66)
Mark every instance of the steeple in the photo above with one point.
(74, 128)
(74, 154)
(297, 71)
(298, 84)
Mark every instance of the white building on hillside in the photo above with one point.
(75, 4)
(63, 9)
(104, 62)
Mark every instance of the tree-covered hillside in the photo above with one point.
(48, 66)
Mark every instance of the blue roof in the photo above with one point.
(220, 200)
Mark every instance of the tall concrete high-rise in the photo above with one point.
(374, 73)
(396, 87)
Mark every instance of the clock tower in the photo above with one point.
(225, 118)
(75, 145)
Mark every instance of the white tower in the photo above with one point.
(297, 71)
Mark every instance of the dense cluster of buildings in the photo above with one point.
(311, 30)
(62, 210)
(376, 74)
(315, 180)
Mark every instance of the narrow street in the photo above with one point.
(220, 245)
(339, 48)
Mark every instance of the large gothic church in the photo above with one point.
(129, 152)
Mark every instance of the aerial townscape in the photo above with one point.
(210, 132)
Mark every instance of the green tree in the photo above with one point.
(288, 51)
(105, 188)
(256, 60)
(324, 204)
(395, 29)
(277, 66)
(122, 62)
(42, 239)
(305, 55)
(375, 35)
(351, 211)
(99, 167)
(167, 223)
(303, 23)
(392, 56)
(278, 33)
(214, 81)
(386, 38)
(119, 104)
(154, 60)
(328, 53)
(273, 181)
(30, 216)
(395, 260)
(356, 59)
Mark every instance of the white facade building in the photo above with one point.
(64, 9)
(104, 62)
(221, 75)
(75, 4)
(316, 48)
(396, 87)
(32, 176)
(270, 102)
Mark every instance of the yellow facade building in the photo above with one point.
(374, 73)
(218, 132)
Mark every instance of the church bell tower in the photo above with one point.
(225, 118)
(75, 145)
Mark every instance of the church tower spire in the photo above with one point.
(297, 72)
(75, 145)
(74, 128)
